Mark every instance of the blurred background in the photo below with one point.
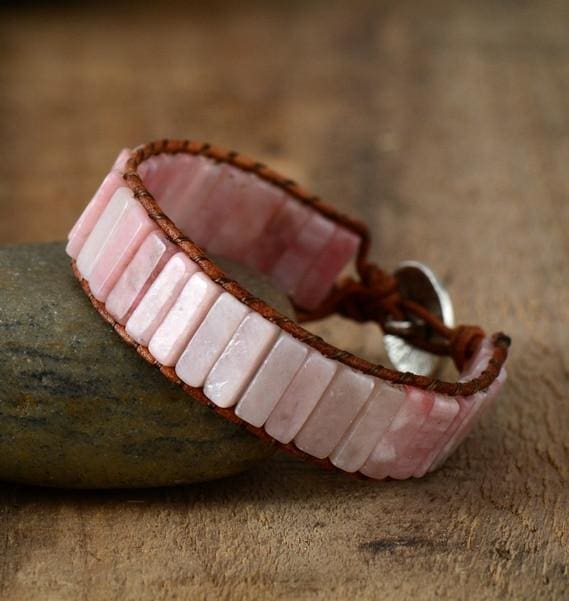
(295, 83)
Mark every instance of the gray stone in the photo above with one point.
(80, 408)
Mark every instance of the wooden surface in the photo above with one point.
(446, 126)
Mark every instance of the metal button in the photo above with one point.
(418, 283)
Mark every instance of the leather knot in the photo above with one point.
(464, 343)
(383, 288)
(374, 298)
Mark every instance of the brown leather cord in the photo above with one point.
(375, 297)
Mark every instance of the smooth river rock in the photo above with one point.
(80, 408)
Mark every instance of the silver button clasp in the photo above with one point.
(417, 283)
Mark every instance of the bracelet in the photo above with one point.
(138, 251)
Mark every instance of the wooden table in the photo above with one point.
(445, 125)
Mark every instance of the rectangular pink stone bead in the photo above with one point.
(240, 360)
(205, 177)
(100, 232)
(334, 413)
(369, 426)
(159, 298)
(139, 274)
(183, 319)
(86, 222)
(466, 405)
(220, 209)
(271, 380)
(477, 405)
(121, 208)
(442, 413)
(302, 252)
(278, 235)
(210, 339)
(390, 452)
(300, 398)
(124, 237)
(316, 284)
(157, 169)
(175, 197)
(237, 235)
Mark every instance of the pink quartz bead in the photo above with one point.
(334, 413)
(390, 452)
(100, 232)
(86, 222)
(468, 408)
(123, 238)
(477, 404)
(175, 200)
(316, 284)
(467, 405)
(139, 274)
(161, 168)
(300, 398)
(122, 210)
(256, 207)
(369, 426)
(271, 380)
(290, 268)
(442, 414)
(183, 319)
(221, 208)
(159, 298)
(240, 360)
(279, 234)
(210, 339)
(205, 176)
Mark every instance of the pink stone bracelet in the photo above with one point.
(135, 250)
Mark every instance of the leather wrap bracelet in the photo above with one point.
(141, 252)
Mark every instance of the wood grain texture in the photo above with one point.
(446, 126)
